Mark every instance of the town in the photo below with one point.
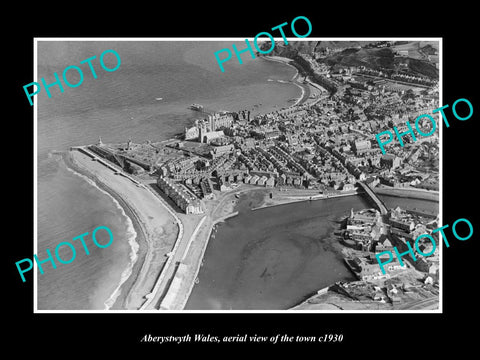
(321, 147)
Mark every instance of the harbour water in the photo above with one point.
(117, 106)
(274, 258)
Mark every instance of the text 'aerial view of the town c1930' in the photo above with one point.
(260, 188)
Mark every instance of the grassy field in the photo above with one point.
(374, 58)
(418, 50)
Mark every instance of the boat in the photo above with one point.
(196, 107)
(158, 99)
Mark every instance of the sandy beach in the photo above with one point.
(307, 88)
(157, 235)
(158, 281)
(304, 88)
(156, 228)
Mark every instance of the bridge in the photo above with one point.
(373, 197)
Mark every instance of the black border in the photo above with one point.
(372, 333)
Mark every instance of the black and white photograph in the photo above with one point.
(265, 187)
(216, 179)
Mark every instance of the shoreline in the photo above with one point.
(217, 213)
(127, 288)
(139, 238)
(260, 197)
(134, 289)
(300, 198)
(305, 91)
(305, 303)
(140, 248)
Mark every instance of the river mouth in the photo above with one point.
(273, 258)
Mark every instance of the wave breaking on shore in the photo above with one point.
(131, 238)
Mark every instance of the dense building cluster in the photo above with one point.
(185, 200)
(327, 143)
(371, 234)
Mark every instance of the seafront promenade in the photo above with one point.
(167, 268)
(169, 261)
(308, 88)
(157, 230)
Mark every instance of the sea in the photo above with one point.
(146, 98)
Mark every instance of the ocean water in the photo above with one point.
(117, 106)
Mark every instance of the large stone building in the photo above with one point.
(207, 129)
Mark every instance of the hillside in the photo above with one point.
(307, 47)
(342, 44)
(420, 67)
(384, 59)
(373, 58)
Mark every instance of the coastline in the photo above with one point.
(180, 283)
(255, 197)
(323, 299)
(149, 230)
(184, 279)
(304, 88)
(126, 295)
(138, 242)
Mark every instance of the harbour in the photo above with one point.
(274, 258)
